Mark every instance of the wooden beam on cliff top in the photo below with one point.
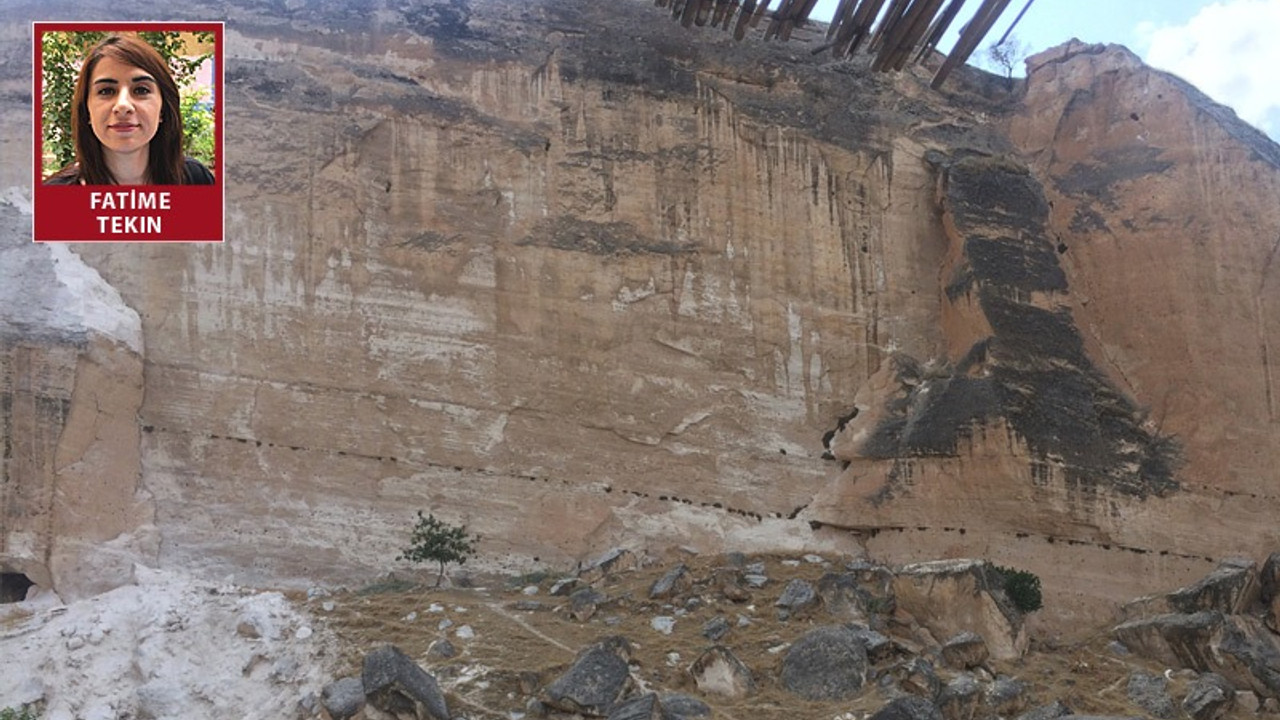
(892, 34)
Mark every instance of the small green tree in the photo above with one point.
(437, 541)
(1022, 587)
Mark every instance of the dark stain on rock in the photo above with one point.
(1033, 371)
(1086, 219)
(1096, 179)
(431, 241)
(1007, 262)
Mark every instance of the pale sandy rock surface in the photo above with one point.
(165, 647)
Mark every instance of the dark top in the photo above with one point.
(194, 173)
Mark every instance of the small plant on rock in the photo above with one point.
(1022, 587)
(437, 541)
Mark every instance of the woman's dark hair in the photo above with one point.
(165, 158)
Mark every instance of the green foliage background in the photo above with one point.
(1022, 587)
(62, 53)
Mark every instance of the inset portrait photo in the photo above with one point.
(128, 132)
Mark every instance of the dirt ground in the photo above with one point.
(515, 652)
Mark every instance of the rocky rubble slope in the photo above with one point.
(783, 637)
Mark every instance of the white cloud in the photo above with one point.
(1227, 50)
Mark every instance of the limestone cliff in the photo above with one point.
(578, 277)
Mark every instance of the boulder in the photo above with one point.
(563, 586)
(842, 597)
(1151, 693)
(1052, 711)
(798, 596)
(879, 648)
(719, 672)
(343, 698)
(827, 663)
(652, 706)
(715, 628)
(918, 677)
(595, 682)
(1209, 697)
(1269, 586)
(960, 698)
(877, 581)
(676, 706)
(1230, 589)
(584, 603)
(614, 561)
(1269, 578)
(729, 583)
(673, 582)
(1238, 647)
(1006, 696)
(394, 683)
(908, 707)
(442, 649)
(949, 597)
(965, 651)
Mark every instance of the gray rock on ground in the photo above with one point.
(1209, 697)
(394, 683)
(673, 582)
(652, 706)
(908, 707)
(797, 596)
(442, 649)
(1269, 577)
(719, 672)
(960, 698)
(716, 628)
(1229, 589)
(613, 561)
(1007, 696)
(842, 597)
(827, 663)
(1051, 711)
(1238, 647)
(584, 602)
(879, 647)
(965, 651)
(597, 680)
(343, 698)
(918, 677)
(1151, 693)
(729, 583)
(563, 586)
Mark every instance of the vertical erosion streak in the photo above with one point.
(1264, 346)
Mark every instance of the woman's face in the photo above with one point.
(124, 106)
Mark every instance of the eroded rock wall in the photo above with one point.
(578, 278)
(551, 272)
(73, 515)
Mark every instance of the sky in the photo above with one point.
(1226, 48)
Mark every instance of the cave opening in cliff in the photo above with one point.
(13, 587)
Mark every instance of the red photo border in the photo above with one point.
(63, 213)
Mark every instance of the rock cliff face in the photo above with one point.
(579, 278)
